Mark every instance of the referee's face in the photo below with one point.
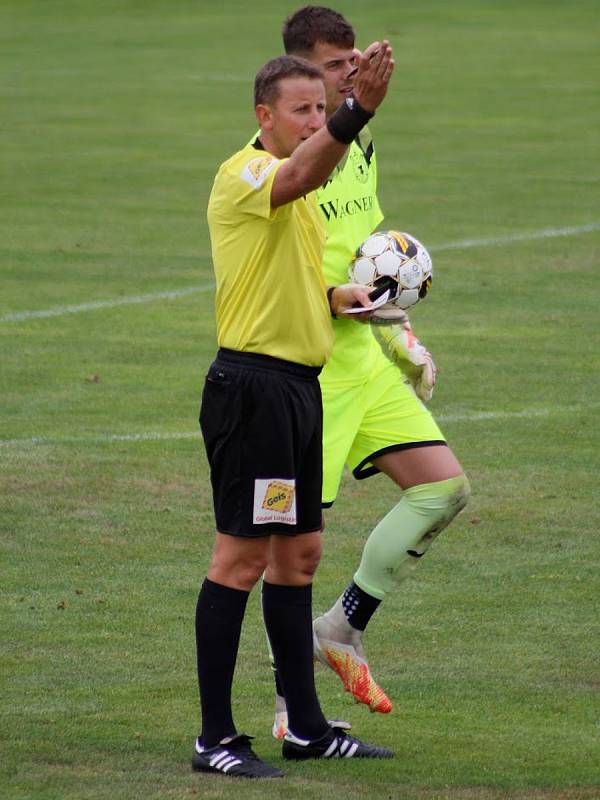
(298, 112)
(339, 65)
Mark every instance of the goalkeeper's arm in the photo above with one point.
(400, 344)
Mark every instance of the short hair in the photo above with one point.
(311, 24)
(266, 83)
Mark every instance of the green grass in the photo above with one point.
(115, 116)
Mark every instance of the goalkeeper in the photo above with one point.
(374, 417)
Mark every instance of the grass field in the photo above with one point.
(114, 118)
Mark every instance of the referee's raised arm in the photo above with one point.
(290, 109)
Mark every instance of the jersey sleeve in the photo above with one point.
(254, 181)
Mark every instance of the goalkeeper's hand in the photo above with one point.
(401, 345)
(389, 315)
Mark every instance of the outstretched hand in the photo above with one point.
(375, 67)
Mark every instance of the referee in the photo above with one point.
(261, 414)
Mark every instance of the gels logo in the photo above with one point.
(278, 497)
(257, 170)
(274, 501)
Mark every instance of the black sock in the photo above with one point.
(358, 606)
(219, 614)
(278, 686)
(287, 611)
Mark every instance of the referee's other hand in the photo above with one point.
(351, 295)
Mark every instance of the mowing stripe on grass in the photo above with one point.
(59, 311)
(156, 436)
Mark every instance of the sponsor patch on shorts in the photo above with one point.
(274, 501)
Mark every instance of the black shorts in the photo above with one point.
(262, 423)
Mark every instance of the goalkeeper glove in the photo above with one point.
(400, 344)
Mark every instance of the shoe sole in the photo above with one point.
(200, 766)
(348, 752)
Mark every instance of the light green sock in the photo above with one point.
(396, 544)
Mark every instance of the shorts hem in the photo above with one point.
(270, 532)
(360, 473)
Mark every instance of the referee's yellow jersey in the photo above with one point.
(271, 295)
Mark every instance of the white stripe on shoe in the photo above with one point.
(348, 749)
(331, 751)
(233, 763)
(223, 761)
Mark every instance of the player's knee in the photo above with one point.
(252, 570)
(444, 498)
(306, 559)
(296, 566)
(307, 565)
(459, 496)
(242, 573)
(439, 503)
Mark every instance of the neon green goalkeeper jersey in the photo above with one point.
(351, 212)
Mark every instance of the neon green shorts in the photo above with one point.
(380, 415)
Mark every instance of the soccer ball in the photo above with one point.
(396, 261)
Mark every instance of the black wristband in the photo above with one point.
(330, 291)
(347, 121)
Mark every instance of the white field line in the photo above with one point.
(59, 311)
(102, 438)
(157, 436)
(545, 233)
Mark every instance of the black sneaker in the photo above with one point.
(232, 756)
(336, 743)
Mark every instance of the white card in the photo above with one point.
(375, 304)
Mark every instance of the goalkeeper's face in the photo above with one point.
(297, 113)
(339, 65)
